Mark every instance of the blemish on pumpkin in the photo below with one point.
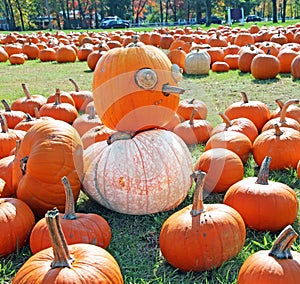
(158, 102)
(204, 235)
(122, 181)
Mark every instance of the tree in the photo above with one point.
(274, 2)
(138, 6)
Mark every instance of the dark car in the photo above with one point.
(213, 20)
(253, 18)
(113, 23)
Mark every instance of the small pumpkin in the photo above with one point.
(13, 117)
(279, 265)
(262, 203)
(85, 228)
(292, 111)
(16, 223)
(295, 67)
(65, 54)
(186, 107)
(201, 236)
(79, 263)
(197, 62)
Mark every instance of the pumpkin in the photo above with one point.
(232, 60)
(50, 150)
(178, 56)
(201, 236)
(292, 111)
(17, 59)
(279, 37)
(94, 56)
(31, 50)
(3, 55)
(283, 120)
(84, 51)
(140, 93)
(264, 205)
(220, 66)
(216, 54)
(197, 62)
(78, 263)
(65, 54)
(285, 57)
(298, 169)
(81, 97)
(295, 67)
(282, 144)
(151, 174)
(235, 141)
(166, 40)
(64, 96)
(279, 265)
(8, 137)
(193, 131)
(241, 124)
(29, 102)
(47, 54)
(244, 38)
(187, 106)
(2, 186)
(223, 168)
(16, 223)
(77, 227)
(13, 117)
(58, 110)
(265, 66)
(246, 56)
(257, 111)
(6, 175)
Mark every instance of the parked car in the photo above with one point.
(253, 18)
(213, 20)
(113, 22)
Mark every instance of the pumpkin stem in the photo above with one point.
(278, 132)
(6, 105)
(263, 175)
(28, 117)
(37, 113)
(281, 248)
(244, 97)
(285, 107)
(198, 207)
(62, 257)
(23, 164)
(225, 119)
(75, 84)
(91, 112)
(119, 136)
(26, 91)
(279, 102)
(192, 117)
(57, 97)
(3, 123)
(192, 101)
(70, 205)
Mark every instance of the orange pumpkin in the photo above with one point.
(186, 107)
(295, 67)
(151, 174)
(278, 265)
(201, 236)
(292, 112)
(264, 205)
(133, 88)
(65, 54)
(265, 66)
(6, 175)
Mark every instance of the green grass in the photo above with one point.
(134, 242)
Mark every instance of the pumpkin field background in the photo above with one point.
(134, 241)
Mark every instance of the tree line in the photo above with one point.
(70, 14)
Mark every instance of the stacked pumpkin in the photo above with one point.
(135, 94)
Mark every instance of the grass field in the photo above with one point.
(135, 238)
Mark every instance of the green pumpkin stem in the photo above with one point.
(26, 91)
(225, 119)
(198, 207)
(62, 257)
(244, 97)
(263, 175)
(281, 248)
(70, 205)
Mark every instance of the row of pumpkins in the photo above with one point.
(195, 51)
(152, 167)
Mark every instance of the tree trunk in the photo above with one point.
(198, 11)
(21, 14)
(12, 23)
(161, 9)
(167, 10)
(208, 12)
(275, 20)
(283, 10)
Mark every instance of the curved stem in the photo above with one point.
(6, 105)
(118, 136)
(192, 117)
(279, 102)
(70, 205)
(285, 107)
(26, 91)
(281, 248)
(62, 257)
(225, 119)
(75, 84)
(198, 207)
(263, 175)
(244, 97)
(3, 123)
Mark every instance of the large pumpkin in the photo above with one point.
(145, 174)
(133, 88)
(202, 236)
(50, 150)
